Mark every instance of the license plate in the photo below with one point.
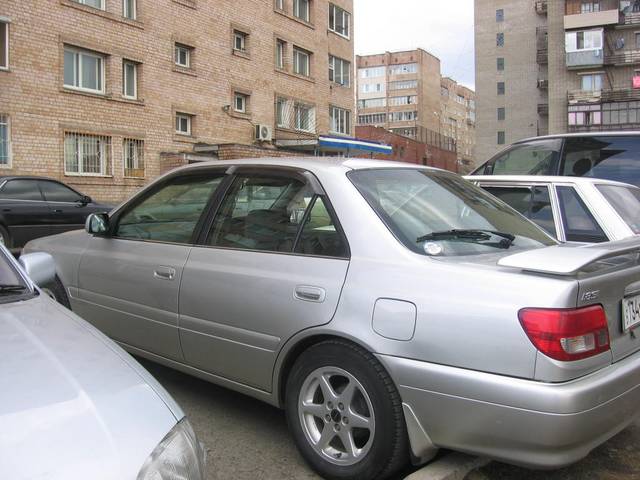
(631, 312)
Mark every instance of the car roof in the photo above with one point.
(621, 133)
(308, 163)
(545, 179)
(26, 177)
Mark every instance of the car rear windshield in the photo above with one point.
(625, 201)
(414, 203)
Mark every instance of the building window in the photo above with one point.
(500, 64)
(501, 138)
(403, 116)
(500, 88)
(280, 4)
(340, 120)
(500, 39)
(339, 20)
(83, 70)
(373, 72)
(501, 113)
(585, 40)
(240, 40)
(404, 100)
(92, 3)
(339, 71)
(500, 15)
(240, 102)
(591, 82)
(182, 55)
(372, 103)
(372, 87)
(403, 69)
(4, 45)
(406, 85)
(295, 115)
(637, 37)
(129, 9)
(133, 157)
(87, 154)
(281, 52)
(281, 111)
(590, 7)
(183, 124)
(305, 119)
(5, 140)
(302, 9)
(372, 119)
(301, 61)
(129, 79)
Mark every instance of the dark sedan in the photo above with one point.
(33, 207)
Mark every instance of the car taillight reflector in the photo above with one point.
(567, 334)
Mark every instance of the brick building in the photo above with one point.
(107, 94)
(408, 150)
(458, 120)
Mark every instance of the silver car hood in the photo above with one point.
(72, 404)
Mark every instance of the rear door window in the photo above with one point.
(533, 158)
(21, 190)
(579, 224)
(56, 192)
(625, 201)
(607, 157)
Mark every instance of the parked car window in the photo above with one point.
(533, 202)
(625, 201)
(21, 190)
(579, 224)
(320, 235)
(171, 213)
(414, 203)
(608, 157)
(56, 192)
(261, 212)
(534, 158)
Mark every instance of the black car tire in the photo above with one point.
(389, 450)
(6, 238)
(57, 291)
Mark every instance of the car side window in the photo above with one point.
(320, 235)
(534, 158)
(579, 224)
(518, 198)
(21, 190)
(261, 212)
(56, 192)
(608, 157)
(170, 213)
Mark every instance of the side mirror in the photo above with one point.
(86, 200)
(40, 267)
(97, 224)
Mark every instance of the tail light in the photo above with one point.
(567, 334)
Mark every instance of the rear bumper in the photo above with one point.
(523, 422)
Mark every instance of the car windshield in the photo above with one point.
(438, 213)
(625, 201)
(12, 285)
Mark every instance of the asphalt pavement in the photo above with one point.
(248, 439)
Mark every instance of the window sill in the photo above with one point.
(85, 93)
(103, 14)
(296, 75)
(130, 101)
(5, 69)
(86, 175)
(339, 85)
(239, 53)
(294, 18)
(187, 3)
(184, 70)
(184, 138)
(240, 115)
(344, 37)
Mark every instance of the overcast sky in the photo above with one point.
(434, 25)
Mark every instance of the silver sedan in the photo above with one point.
(391, 309)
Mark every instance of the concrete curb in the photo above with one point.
(454, 466)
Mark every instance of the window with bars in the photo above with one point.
(339, 71)
(340, 120)
(295, 115)
(301, 61)
(87, 154)
(133, 157)
(5, 140)
(500, 39)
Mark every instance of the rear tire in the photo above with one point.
(345, 413)
(57, 292)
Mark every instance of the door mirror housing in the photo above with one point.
(86, 200)
(97, 224)
(40, 267)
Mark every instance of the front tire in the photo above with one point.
(345, 413)
(57, 292)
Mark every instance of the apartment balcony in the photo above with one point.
(630, 19)
(541, 7)
(621, 95)
(542, 46)
(584, 97)
(543, 109)
(585, 59)
(592, 19)
(543, 84)
(629, 57)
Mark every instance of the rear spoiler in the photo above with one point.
(568, 259)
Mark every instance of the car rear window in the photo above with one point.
(625, 201)
(607, 157)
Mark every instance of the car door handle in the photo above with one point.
(165, 273)
(310, 294)
(57, 210)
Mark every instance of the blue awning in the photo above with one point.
(347, 143)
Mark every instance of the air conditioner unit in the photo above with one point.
(264, 133)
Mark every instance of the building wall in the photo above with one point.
(458, 120)
(41, 110)
(520, 75)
